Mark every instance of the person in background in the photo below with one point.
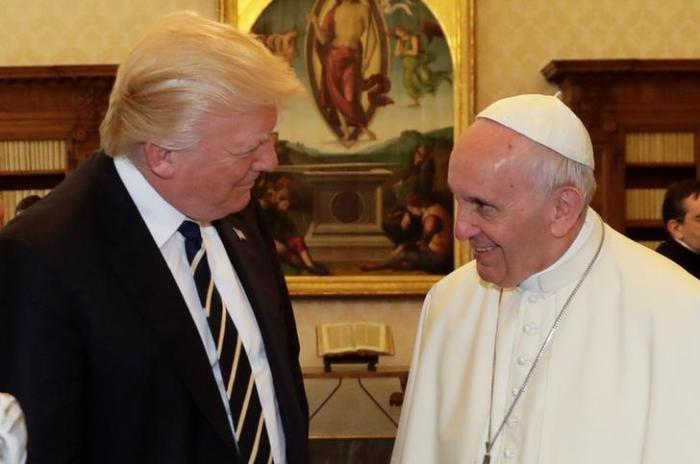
(558, 343)
(681, 215)
(25, 203)
(150, 323)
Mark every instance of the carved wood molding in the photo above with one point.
(55, 102)
(611, 85)
(616, 97)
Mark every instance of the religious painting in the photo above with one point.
(360, 196)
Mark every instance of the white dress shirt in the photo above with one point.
(163, 220)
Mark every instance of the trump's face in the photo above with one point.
(500, 212)
(214, 178)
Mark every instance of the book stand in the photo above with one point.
(359, 373)
(370, 359)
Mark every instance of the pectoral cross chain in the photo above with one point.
(487, 456)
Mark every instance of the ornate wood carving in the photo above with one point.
(615, 97)
(55, 102)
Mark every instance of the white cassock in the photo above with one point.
(620, 382)
(13, 431)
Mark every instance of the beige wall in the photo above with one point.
(45, 32)
(515, 39)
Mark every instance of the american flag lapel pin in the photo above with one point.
(239, 233)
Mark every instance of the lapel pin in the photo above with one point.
(239, 233)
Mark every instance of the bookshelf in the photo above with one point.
(49, 122)
(644, 121)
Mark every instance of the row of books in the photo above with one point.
(644, 204)
(10, 198)
(32, 155)
(660, 147)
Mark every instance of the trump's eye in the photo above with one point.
(249, 150)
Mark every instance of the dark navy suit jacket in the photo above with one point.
(98, 344)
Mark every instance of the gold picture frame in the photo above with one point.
(456, 18)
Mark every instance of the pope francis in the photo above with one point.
(562, 341)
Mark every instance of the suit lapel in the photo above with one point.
(248, 253)
(141, 270)
(255, 264)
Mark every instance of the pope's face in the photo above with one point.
(499, 211)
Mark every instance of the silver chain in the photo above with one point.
(490, 441)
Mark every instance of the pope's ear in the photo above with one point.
(567, 209)
(159, 160)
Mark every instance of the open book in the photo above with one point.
(363, 338)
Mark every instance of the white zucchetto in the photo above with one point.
(546, 120)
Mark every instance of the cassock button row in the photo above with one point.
(529, 328)
(514, 391)
(522, 360)
(508, 453)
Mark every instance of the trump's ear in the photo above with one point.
(568, 207)
(159, 160)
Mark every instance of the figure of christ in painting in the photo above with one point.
(340, 48)
(418, 78)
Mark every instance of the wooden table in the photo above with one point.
(359, 372)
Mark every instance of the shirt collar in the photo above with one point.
(573, 262)
(685, 245)
(161, 218)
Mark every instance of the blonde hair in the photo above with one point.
(185, 67)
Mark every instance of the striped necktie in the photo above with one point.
(246, 411)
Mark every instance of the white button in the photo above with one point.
(509, 453)
(514, 391)
(513, 421)
(527, 328)
(522, 360)
(532, 298)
